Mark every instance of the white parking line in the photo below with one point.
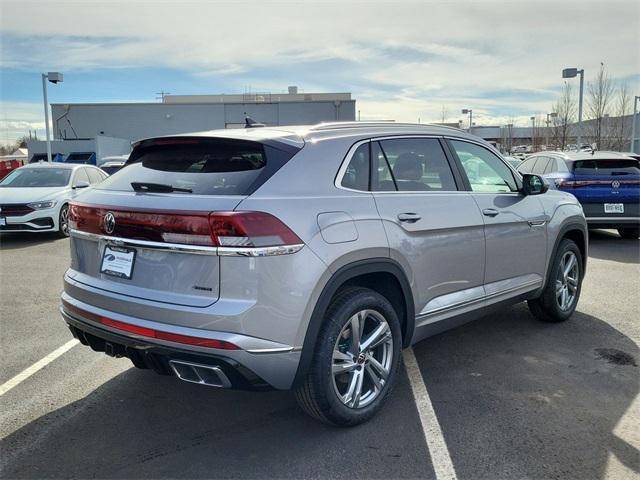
(438, 450)
(26, 373)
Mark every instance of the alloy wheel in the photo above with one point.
(64, 220)
(567, 281)
(362, 358)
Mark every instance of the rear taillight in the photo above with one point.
(218, 229)
(250, 229)
(563, 183)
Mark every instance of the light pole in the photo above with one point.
(533, 134)
(633, 123)
(552, 115)
(510, 127)
(571, 73)
(53, 77)
(470, 112)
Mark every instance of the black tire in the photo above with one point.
(629, 233)
(547, 307)
(63, 221)
(318, 396)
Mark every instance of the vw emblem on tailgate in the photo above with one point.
(615, 184)
(109, 222)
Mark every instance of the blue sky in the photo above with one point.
(401, 60)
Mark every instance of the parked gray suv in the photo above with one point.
(307, 258)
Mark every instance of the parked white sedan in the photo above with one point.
(35, 198)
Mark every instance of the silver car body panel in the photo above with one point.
(456, 260)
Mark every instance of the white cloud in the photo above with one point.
(403, 59)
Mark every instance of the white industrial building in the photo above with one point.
(76, 126)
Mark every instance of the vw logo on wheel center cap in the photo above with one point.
(109, 222)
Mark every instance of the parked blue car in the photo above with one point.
(607, 185)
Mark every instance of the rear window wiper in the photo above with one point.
(157, 188)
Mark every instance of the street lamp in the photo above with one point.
(552, 115)
(53, 77)
(533, 134)
(571, 73)
(633, 123)
(470, 112)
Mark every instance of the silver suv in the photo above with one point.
(307, 258)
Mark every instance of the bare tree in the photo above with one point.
(565, 107)
(599, 93)
(444, 114)
(621, 126)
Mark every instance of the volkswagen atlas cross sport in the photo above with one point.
(607, 184)
(306, 258)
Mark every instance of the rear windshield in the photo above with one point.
(199, 166)
(606, 167)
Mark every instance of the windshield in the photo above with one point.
(37, 177)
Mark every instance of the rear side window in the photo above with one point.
(606, 167)
(416, 164)
(202, 166)
(356, 177)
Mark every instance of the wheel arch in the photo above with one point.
(576, 232)
(362, 273)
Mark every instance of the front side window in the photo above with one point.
(527, 165)
(81, 176)
(94, 175)
(486, 171)
(414, 165)
(541, 165)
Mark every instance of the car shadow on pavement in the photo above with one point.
(608, 245)
(518, 398)
(14, 241)
(141, 425)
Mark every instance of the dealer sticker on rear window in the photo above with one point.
(118, 261)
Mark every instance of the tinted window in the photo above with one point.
(200, 165)
(418, 164)
(551, 166)
(381, 179)
(606, 167)
(37, 177)
(486, 172)
(356, 176)
(81, 176)
(527, 165)
(540, 166)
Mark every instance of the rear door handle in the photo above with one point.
(490, 212)
(409, 217)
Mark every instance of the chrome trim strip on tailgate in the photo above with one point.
(192, 249)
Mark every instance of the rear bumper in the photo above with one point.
(253, 366)
(613, 222)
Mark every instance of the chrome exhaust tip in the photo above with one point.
(200, 374)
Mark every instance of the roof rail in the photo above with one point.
(340, 125)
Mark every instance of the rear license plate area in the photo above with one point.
(118, 261)
(614, 208)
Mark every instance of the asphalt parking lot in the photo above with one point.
(515, 398)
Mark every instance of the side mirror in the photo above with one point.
(81, 184)
(534, 184)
